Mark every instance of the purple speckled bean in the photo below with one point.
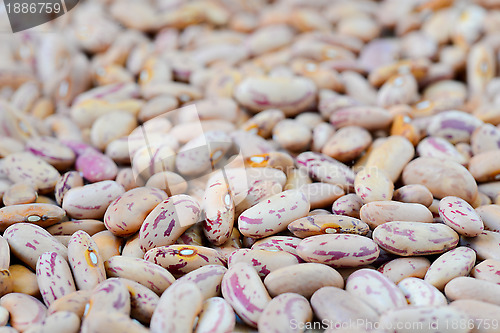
(95, 166)
(367, 117)
(379, 212)
(111, 322)
(244, 290)
(485, 138)
(401, 268)
(86, 262)
(27, 168)
(485, 244)
(219, 212)
(488, 270)
(217, 316)
(326, 169)
(419, 292)
(430, 317)
(182, 259)
(283, 310)
(460, 216)
(69, 180)
(414, 193)
(111, 295)
(126, 213)
(376, 290)
(344, 250)
(278, 243)
(52, 151)
(60, 322)
(373, 185)
(415, 238)
(440, 148)
(349, 205)
(28, 241)
(327, 224)
(208, 279)
(273, 214)
(490, 215)
(24, 310)
(454, 126)
(91, 201)
(152, 276)
(68, 228)
(54, 277)
(186, 298)
(168, 221)
(143, 301)
(454, 263)
(263, 261)
(75, 302)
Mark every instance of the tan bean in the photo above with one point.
(108, 245)
(24, 281)
(282, 310)
(40, 214)
(4, 253)
(379, 212)
(485, 245)
(487, 270)
(469, 288)
(415, 193)
(263, 261)
(479, 311)
(490, 215)
(63, 321)
(4, 316)
(70, 227)
(102, 322)
(75, 302)
(19, 193)
(347, 143)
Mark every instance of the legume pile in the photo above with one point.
(339, 171)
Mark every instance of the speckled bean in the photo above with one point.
(182, 259)
(414, 238)
(302, 279)
(67, 181)
(442, 178)
(479, 311)
(75, 302)
(347, 143)
(282, 310)
(208, 279)
(124, 216)
(109, 296)
(86, 263)
(263, 261)
(379, 212)
(28, 241)
(345, 250)
(102, 322)
(216, 316)
(52, 151)
(70, 227)
(54, 277)
(108, 245)
(24, 310)
(143, 301)
(28, 168)
(367, 117)
(60, 322)
(419, 292)
(327, 224)
(460, 216)
(95, 166)
(244, 290)
(373, 185)
(261, 93)
(185, 296)
(219, 212)
(376, 290)
(40, 214)
(91, 201)
(401, 268)
(485, 166)
(156, 278)
(488, 270)
(321, 194)
(168, 221)
(326, 169)
(485, 138)
(440, 148)
(455, 126)
(349, 205)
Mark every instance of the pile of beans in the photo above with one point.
(339, 171)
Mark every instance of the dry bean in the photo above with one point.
(67, 181)
(75, 302)
(402, 268)
(60, 322)
(86, 263)
(419, 292)
(102, 322)
(24, 310)
(454, 263)
(438, 147)
(485, 244)
(460, 216)
(70, 227)
(490, 215)
(4, 316)
(484, 166)
(348, 205)
(216, 316)
(95, 166)
(54, 277)
(469, 288)
(24, 281)
(4, 253)
(18, 194)
(488, 270)
(327, 224)
(207, 278)
(282, 310)
(479, 311)
(263, 261)
(40, 214)
(415, 193)
(347, 143)
(108, 245)
(143, 301)
(379, 212)
(52, 151)
(414, 238)
(109, 296)
(292, 135)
